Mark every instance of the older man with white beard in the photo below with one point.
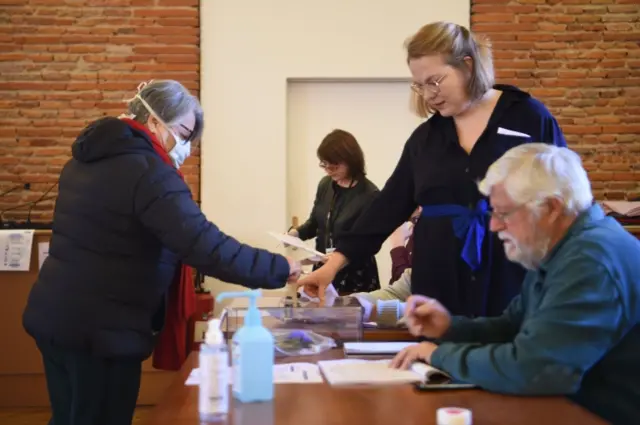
(575, 328)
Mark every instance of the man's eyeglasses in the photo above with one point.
(503, 217)
(432, 86)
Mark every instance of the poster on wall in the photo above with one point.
(15, 250)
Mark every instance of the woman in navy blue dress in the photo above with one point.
(472, 122)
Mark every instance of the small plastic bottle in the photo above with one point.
(213, 398)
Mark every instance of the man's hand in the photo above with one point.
(413, 353)
(426, 317)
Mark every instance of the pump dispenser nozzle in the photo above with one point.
(253, 317)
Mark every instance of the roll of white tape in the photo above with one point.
(453, 416)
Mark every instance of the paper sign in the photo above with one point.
(15, 250)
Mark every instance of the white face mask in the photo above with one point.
(182, 150)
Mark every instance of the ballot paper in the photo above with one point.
(296, 243)
(297, 373)
(287, 373)
(375, 372)
(330, 296)
(15, 250)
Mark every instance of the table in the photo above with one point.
(321, 404)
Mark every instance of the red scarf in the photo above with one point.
(172, 347)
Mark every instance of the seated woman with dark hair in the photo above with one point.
(341, 198)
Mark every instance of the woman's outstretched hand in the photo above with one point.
(315, 284)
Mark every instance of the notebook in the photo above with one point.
(375, 348)
(376, 372)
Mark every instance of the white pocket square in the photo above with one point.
(514, 133)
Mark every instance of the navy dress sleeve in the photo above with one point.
(164, 205)
(392, 207)
(552, 132)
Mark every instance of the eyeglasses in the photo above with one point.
(326, 166)
(432, 86)
(178, 137)
(503, 217)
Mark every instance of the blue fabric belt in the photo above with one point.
(468, 224)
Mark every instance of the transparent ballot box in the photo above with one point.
(341, 322)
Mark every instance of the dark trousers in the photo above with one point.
(88, 390)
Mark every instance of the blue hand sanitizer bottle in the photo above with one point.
(252, 353)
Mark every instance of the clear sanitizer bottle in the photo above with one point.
(213, 398)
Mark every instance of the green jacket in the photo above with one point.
(574, 330)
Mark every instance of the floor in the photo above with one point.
(37, 416)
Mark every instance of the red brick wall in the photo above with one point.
(64, 63)
(582, 58)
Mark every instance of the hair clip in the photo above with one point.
(143, 84)
(140, 87)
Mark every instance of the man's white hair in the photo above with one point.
(537, 171)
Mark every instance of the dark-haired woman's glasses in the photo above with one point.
(329, 167)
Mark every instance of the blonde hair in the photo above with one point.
(455, 43)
